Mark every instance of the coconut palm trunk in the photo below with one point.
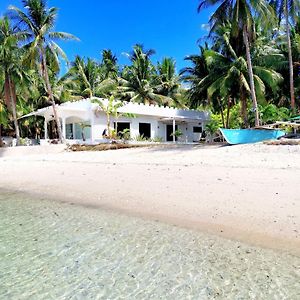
(244, 106)
(108, 124)
(50, 94)
(222, 112)
(10, 95)
(228, 112)
(289, 44)
(251, 77)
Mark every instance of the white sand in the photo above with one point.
(249, 192)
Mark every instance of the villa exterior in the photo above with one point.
(150, 121)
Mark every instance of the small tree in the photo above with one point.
(83, 126)
(110, 109)
(212, 128)
(177, 133)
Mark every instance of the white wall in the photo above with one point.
(158, 128)
(99, 124)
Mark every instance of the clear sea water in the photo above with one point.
(52, 250)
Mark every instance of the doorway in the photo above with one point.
(120, 127)
(145, 130)
(170, 132)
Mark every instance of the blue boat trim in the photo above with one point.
(248, 136)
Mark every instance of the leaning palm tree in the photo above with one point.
(39, 21)
(288, 9)
(241, 14)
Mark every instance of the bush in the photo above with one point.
(140, 138)
(157, 139)
(177, 133)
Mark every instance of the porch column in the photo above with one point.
(46, 128)
(63, 124)
(174, 129)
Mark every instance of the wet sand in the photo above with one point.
(249, 193)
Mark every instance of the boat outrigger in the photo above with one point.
(248, 136)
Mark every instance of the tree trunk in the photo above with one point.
(108, 125)
(228, 113)
(82, 134)
(251, 77)
(291, 69)
(244, 107)
(222, 113)
(50, 94)
(11, 103)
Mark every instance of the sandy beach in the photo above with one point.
(249, 193)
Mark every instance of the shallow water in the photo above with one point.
(51, 250)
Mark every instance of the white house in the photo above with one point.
(151, 121)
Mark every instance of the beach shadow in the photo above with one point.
(183, 147)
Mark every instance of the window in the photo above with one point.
(121, 126)
(197, 129)
(145, 130)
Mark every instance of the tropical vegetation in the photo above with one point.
(246, 72)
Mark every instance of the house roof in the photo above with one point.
(86, 105)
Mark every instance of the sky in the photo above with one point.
(171, 28)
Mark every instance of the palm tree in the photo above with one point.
(109, 65)
(167, 81)
(87, 78)
(39, 21)
(288, 9)
(192, 75)
(227, 79)
(137, 81)
(241, 14)
(10, 55)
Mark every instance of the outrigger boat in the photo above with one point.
(248, 136)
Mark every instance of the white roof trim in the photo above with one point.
(85, 105)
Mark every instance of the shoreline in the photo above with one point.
(140, 187)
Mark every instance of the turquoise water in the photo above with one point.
(52, 250)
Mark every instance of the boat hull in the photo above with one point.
(248, 136)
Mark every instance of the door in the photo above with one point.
(145, 130)
(170, 132)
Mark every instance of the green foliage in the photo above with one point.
(156, 139)
(177, 133)
(271, 113)
(125, 134)
(140, 138)
(217, 78)
(3, 115)
(212, 127)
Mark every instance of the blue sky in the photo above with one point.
(172, 28)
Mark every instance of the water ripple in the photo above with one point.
(50, 250)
